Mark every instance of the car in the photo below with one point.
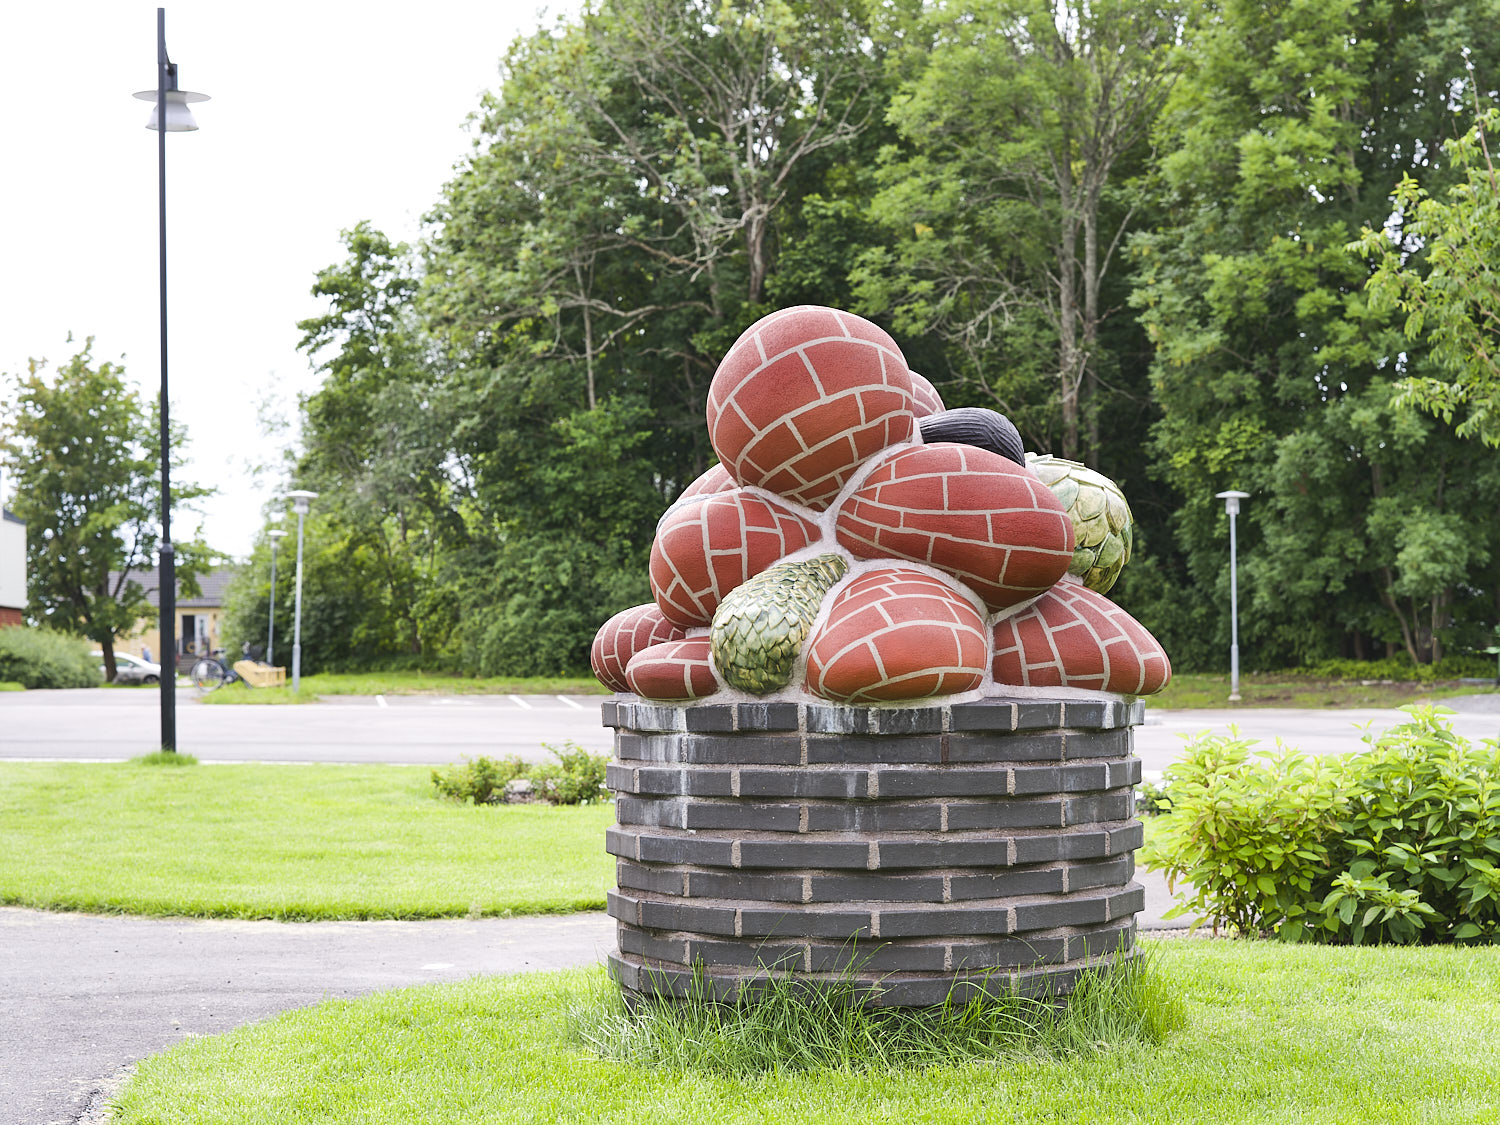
(131, 669)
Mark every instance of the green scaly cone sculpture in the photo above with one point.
(759, 628)
(1103, 528)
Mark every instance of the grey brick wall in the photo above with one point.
(921, 851)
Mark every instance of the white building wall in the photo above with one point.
(12, 564)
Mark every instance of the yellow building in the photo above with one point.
(198, 619)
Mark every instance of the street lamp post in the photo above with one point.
(171, 115)
(301, 501)
(1232, 506)
(276, 535)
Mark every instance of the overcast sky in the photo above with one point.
(323, 113)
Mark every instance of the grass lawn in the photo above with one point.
(407, 683)
(1193, 690)
(1272, 1033)
(286, 842)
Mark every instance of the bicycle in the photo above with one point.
(210, 673)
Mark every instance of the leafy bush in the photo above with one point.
(41, 658)
(1401, 669)
(576, 778)
(1398, 843)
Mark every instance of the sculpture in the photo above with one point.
(861, 544)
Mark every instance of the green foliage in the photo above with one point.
(1399, 843)
(169, 758)
(783, 1028)
(576, 778)
(1401, 669)
(82, 449)
(1438, 266)
(43, 658)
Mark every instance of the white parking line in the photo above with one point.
(380, 701)
(570, 703)
(521, 703)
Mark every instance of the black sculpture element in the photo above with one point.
(974, 425)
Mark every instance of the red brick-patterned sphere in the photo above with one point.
(925, 397)
(624, 635)
(717, 479)
(675, 670)
(896, 633)
(804, 397)
(1074, 637)
(705, 549)
(979, 516)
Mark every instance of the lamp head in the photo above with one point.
(1232, 500)
(301, 500)
(276, 533)
(179, 117)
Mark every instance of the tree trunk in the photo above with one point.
(1406, 630)
(1091, 279)
(108, 648)
(1067, 332)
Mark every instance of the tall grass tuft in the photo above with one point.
(788, 1027)
(164, 758)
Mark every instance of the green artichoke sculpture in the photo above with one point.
(759, 628)
(1103, 528)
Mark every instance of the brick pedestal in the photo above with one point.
(920, 851)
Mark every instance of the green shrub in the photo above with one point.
(481, 780)
(1397, 843)
(1402, 670)
(41, 658)
(576, 778)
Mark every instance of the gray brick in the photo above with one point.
(767, 716)
(742, 816)
(1137, 713)
(950, 921)
(841, 925)
(1043, 746)
(983, 714)
(709, 717)
(1126, 839)
(609, 713)
(684, 849)
(1038, 714)
(830, 719)
(1008, 954)
(703, 781)
(714, 749)
(1102, 942)
(1079, 911)
(804, 783)
(659, 880)
(685, 915)
(619, 842)
(945, 853)
(1098, 744)
(1127, 772)
(747, 954)
(1079, 777)
(1038, 779)
(1084, 845)
(1045, 848)
(1083, 714)
(750, 886)
(1004, 814)
(1007, 884)
(925, 749)
(908, 720)
(650, 813)
(849, 816)
(877, 886)
(628, 746)
(963, 781)
(876, 956)
(1101, 807)
(620, 907)
(804, 852)
(1103, 873)
(1127, 902)
(620, 779)
(649, 717)
(644, 944)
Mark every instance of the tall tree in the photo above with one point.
(1272, 368)
(1004, 195)
(80, 445)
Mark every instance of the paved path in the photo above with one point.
(86, 995)
(121, 723)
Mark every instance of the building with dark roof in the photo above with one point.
(198, 629)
